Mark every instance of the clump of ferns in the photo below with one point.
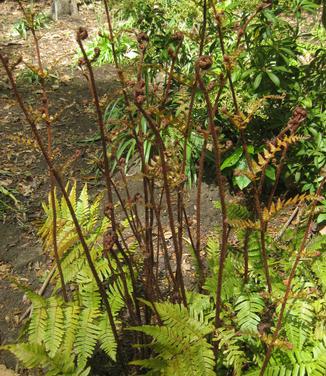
(62, 336)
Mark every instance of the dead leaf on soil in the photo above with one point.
(6, 372)
(323, 231)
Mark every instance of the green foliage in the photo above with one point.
(62, 336)
(212, 334)
(248, 307)
(278, 57)
(180, 343)
(8, 200)
(124, 145)
(37, 21)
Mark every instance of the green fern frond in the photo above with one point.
(248, 308)
(232, 282)
(298, 323)
(83, 208)
(237, 211)
(319, 269)
(37, 325)
(180, 343)
(200, 306)
(71, 321)
(90, 296)
(240, 224)
(87, 215)
(87, 334)
(54, 326)
(35, 356)
(233, 355)
(30, 354)
(317, 243)
(178, 317)
(114, 295)
(106, 337)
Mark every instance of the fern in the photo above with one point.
(106, 337)
(87, 334)
(64, 334)
(54, 329)
(248, 308)
(71, 314)
(180, 343)
(319, 268)
(36, 328)
(233, 355)
(231, 279)
(34, 355)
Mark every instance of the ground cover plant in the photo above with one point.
(253, 301)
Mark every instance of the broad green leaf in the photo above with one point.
(270, 172)
(274, 78)
(232, 159)
(321, 217)
(257, 81)
(242, 181)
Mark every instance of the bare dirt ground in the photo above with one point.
(22, 170)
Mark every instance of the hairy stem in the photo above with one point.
(289, 283)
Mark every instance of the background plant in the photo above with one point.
(38, 21)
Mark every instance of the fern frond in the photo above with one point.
(281, 204)
(234, 210)
(106, 337)
(240, 224)
(71, 321)
(35, 356)
(237, 211)
(54, 329)
(231, 279)
(86, 336)
(180, 343)
(298, 323)
(233, 356)
(269, 153)
(30, 354)
(200, 306)
(37, 325)
(114, 295)
(83, 208)
(319, 269)
(90, 296)
(177, 317)
(248, 307)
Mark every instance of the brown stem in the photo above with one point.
(217, 151)
(246, 255)
(169, 80)
(108, 17)
(161, 234)
(198, 212)
(100, 121)
(289, 282)
(66, 197)
(45, 109)
(262, 224)
(161, 148)
(181, 207)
